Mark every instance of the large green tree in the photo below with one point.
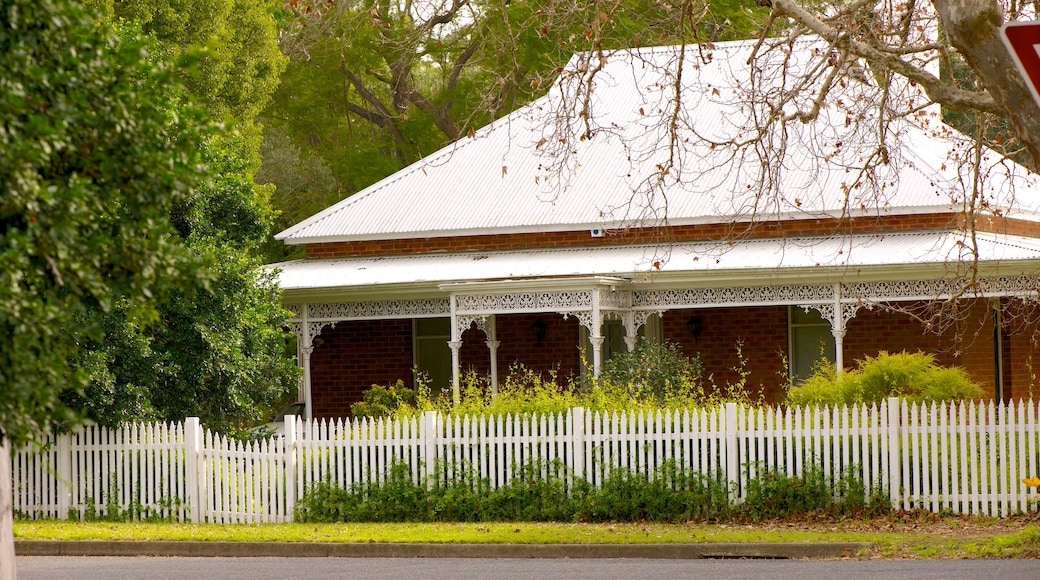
(238, 63)
(94, 157)
(217, 351)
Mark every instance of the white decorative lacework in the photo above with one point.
(854, 292)
(584, 318)
(321, 315)
(467, 322)
(634, 319)
(940, 288)
(547, 301)
(733, 296)
(848, 312)
(635, 306)
(314, 329)
(615, 299)
(379, 309)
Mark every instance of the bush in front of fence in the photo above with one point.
(545, 491)
(774, 494)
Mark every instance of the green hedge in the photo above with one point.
(547, 492)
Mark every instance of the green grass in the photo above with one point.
(460, 533)
(914, 541)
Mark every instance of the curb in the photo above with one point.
(405, 550)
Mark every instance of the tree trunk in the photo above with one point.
(6, 514)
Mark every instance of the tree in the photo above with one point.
(92, 162)
(217, 350)
(399, 58)
(238, 60)
(928, 44)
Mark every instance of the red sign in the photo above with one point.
(1023, 42)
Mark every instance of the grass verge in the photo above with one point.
(889, 537)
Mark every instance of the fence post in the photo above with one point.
(894, 451)
(192, 467)
(576, 458)
(430, 436)
(63, 450)
(289, 463)
(730, 449)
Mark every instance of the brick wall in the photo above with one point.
(1021, 345)
(559, 350)
(1023, 367)
(351, 357)
(672, 234)
(762, 332)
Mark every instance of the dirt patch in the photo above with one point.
(908, 522)
(922, 534)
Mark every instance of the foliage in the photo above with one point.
(546, 491)
(775, 494)
(671, 494)
(523, 391)
(380, 401)
(93, 158)
(653, 371)
(651, 377)
(217, 351)
(238, 64)
(914, 376)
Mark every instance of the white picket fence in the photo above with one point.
(964, 458)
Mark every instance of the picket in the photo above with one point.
(962, 458)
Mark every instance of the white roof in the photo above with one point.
(516, 175)
(752, 261)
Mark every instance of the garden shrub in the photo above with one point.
(653, 376)
(672, 494)
(380, 401)
(654, 372)
(536, 493)
(547, 491)
(914, 376)
(774, 494)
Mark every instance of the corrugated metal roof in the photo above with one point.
(517, 175)
(746, 259)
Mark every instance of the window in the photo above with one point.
(811, 341)
(432, 356)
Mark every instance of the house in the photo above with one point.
(610, 209)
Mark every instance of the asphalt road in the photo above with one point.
(149, 568)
